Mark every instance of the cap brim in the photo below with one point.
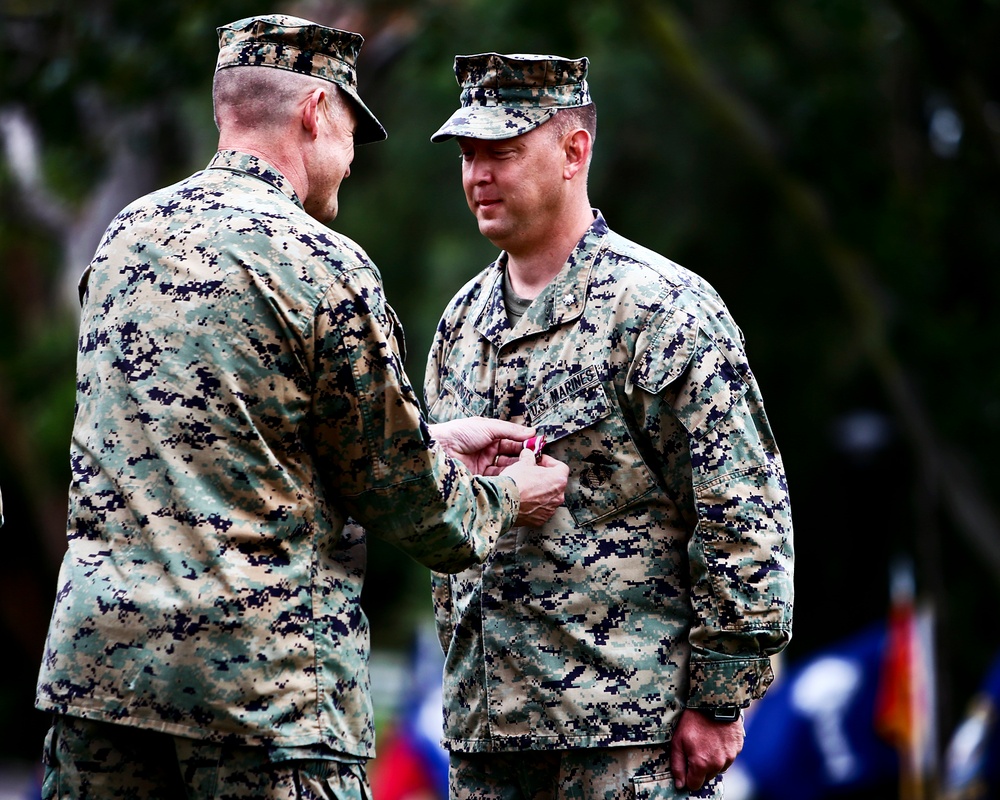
(368, 128)
(492, 122)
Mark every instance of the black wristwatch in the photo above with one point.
(721, 713)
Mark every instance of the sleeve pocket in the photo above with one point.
(664, 357)
(685, 363)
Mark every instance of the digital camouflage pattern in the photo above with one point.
(507, 95)
(91, 759)
(240, 395)
(614, 773)
(298, 45)
(666, 579)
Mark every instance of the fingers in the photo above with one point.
(689, 772)
(542, 487)
(507, 454)
(511, 448)
(701, 749)
(510, 451)
(503, 429)
(678, 763)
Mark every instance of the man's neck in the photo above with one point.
(286, 160)
(532, 269)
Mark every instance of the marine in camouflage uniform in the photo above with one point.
(241, 395)
(665, 582)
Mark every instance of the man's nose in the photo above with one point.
(479, 171)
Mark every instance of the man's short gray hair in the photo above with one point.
(250, 97)
(568, 119)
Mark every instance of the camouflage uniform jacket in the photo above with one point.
(666, 579)
(240, 395)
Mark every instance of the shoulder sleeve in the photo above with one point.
(698, 391)
(374, 447)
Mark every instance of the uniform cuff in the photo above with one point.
(728, 682)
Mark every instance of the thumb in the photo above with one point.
(678, 762)
(511, 430)
(526, 455)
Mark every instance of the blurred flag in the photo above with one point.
(818, 731)
(905, 703)
(411, 763)
(972, 760)
(812, 735)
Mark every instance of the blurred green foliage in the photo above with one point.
(831, 166)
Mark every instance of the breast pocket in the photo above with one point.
(584, 430)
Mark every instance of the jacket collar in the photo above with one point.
(236, 161)
(562, 301)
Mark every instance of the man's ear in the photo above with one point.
(311, 111)
(577, 147)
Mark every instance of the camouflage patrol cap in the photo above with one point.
(507, 95)
(298, 45)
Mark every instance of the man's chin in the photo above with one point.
(491, 229)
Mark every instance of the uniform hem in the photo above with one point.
(128, 719)
(501, 744)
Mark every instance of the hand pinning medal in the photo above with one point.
(535, 445)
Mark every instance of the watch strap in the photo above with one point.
(721, 713)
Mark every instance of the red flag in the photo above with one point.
(904, 702)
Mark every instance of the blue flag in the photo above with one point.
(972, 761)
(813, 734)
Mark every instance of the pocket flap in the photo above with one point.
(574, 404)
(585, 431)
(459, 399)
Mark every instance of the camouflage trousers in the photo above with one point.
(615, 773)
(102, 761)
